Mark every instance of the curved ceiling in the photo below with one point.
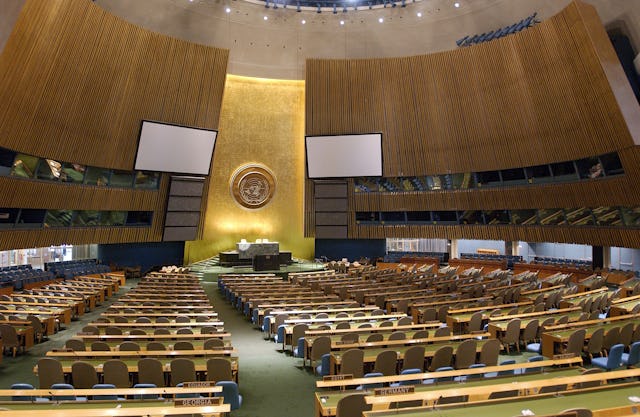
(274, 42)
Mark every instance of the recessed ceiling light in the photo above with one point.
(342, 22)
(266, 18)
(304, 22)
(380, 20)
(228, 10)
(456, 4)
(419, 14)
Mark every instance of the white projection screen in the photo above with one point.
(340, 156)
(177, 149)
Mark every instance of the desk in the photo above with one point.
(191, 324)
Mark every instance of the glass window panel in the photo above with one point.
(551, 217)
(433, 183)
(367, 216)
(471, 217)
(581, 216)
(488, 178)
(539, 174)
(461, 181)
(97, 176)
(31, 218)
(564, 171)
(48, 169)
(8, 217)
(607, 216)
(6, 161)
(24, 166)
(513, 176)
(72, 173)
(589, 168)
(631, 216)
(58, 218)
(113, 218)
(445, 217)
(86, 218)
(419, 216)
(139, 218)
(122, 179)
(496, 217)
(147, 179)
(524, 217)
(611, 163)
(393, 216)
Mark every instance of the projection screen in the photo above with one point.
(339, 156)
(177, 149)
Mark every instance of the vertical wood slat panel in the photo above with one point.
(535, 97)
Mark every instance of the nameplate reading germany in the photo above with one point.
(198, 402)
(407, 389)
(199, 384)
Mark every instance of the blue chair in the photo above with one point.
(24, 386)
(146, 396)
(298, 351)
(502, 373)
(408, 371)
(375, 384)
(64, 397)
(108, 397)
(279, 338)
(633, 357)
(536, 358)
(266, 324)
(325, 363)
(611, 362)
(230, 393)
(441, 379)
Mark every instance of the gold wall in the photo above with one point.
(261, 121)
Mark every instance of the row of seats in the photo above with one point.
(70, 269)
(579, 263)
(19, 277)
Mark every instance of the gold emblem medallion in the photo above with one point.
(253, 186)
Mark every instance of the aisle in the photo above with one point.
(272, 383)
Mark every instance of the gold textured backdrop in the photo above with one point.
(262, 121)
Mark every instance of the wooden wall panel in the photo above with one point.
(535, 97)
(76, 82)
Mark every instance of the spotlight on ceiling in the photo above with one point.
(228, 10)
(456, 4)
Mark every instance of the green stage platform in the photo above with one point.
(210, 270)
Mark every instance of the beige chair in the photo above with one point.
(219, 369)
(414, 358)
(49, 372)
(116, 372)
(579, 412)
(594, 345)
(512, 335)
(386, 362)
(143, 319)
(610, 338)
(182, 370)
(342, 314)
(374, 337)
(429, 314)
(156, 346)
(100, 346)
(120, 319)
(184, 330)
(150, 371)
(343, 325)
(626, 334)
(352, 405)
(465, 354)
(442, 332)
(162, 330)
(111, 330)
(90, 330)
(386, 323)
(490, 352)
(183, 319)
(163, 320)
(397, 336)
(350, 338)
(353, 363)
(129, 346)
(575, 344)
(83, 375)
(441, 357)
(475, 322)
(10, 339)
(530, 332)
(208, 330)
(137, 332)
(213, 343)
(320, 346)
(39, 330)
(103, 320)
(405, 321)
(183, 345)
(421, 334)
(297, 332)
(365, 326)
(76, 345)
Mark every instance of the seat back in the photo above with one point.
(150, 372)
(129, 346)
(442, 357)
(230, 393)
(219, 369)
(353, 363)
(62, 386)
(83, 375)
(386, 362)
(576, 342)
(108, 397)
(22, 386)
(49, 372)
(352, 405)
(116, 372)
(466, 354)
(182, 370)
(76, 345)
(490, 352)
(414, 358)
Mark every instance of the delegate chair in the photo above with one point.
(76, 345)
(465, 354)
(611, 362)
(386, 362)
(129, 346)
(100, 346)
(397, 336)
(50, 372)
(116, 372)
(353, 363)
(211, 344)
(512, 335)
(575, 344)
(150, 372)
(441, 358)
(321, 345)
(414, 358)
(375, 337)
(182, 370)
(475, 322)
(490, 352)
(219, 369)
(442, 332)
(183, 345)
(611, 338)
(371, 386)
(230, 393)
(156, 346)
(108, 397)
(83, 375)
(10, 338)
(352, 405)
(594, 345)
(633, 357)
(64, 397)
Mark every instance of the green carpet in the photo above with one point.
(272, 383)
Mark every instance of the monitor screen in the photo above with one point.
(178, 149)
(340, 156)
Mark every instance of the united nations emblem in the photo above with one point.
(253, 186)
